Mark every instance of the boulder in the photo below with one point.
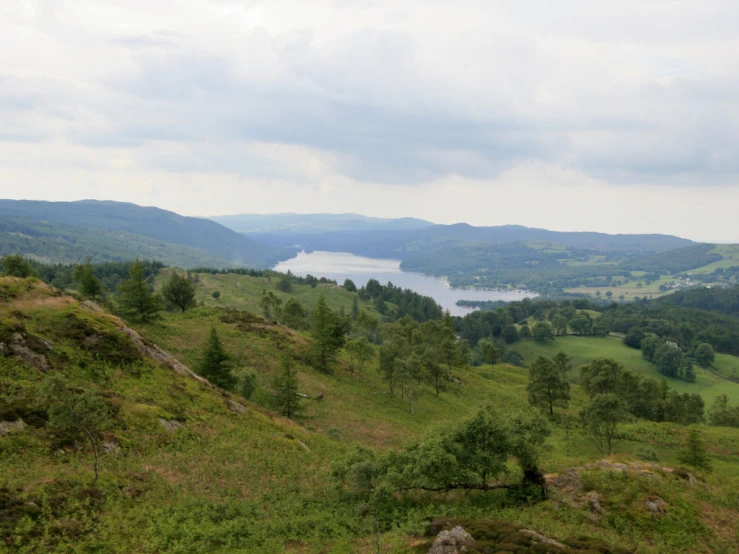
(452, 542)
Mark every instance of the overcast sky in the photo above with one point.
(572, 115)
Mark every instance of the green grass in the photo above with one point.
(583, 350)
(255, 482)
(730, 253)
(242, 292)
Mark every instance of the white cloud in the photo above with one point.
(613, 116)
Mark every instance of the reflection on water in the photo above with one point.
(341, 265)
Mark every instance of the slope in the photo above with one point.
(150, 222)
(188, 468)
(68, 244)
(402, 244)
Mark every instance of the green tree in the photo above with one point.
(355, 309)
(16, 265)
(704, 354)
(285, 383)
(247, 384)
(179, 291)
(349, 285)
(329, 334)
(525, 332)
(559, 322)
(285, 285)
(271, 305)
(695, 454)
(548, 387)
(214, 363)
(542, 332)
(510, 334)
(135, 298)
(76, 414)
(369, 325)
(216, 295)
(463, 353)
(489, 352)
(360, 351)
(437, 336)
(293, 314)
(602, 418)
(562, 361)
(90, 285)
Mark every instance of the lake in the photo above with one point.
(341, 265)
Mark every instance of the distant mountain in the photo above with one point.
(316, 223)
(207, 240)
(402, 244)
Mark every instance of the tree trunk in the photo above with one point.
(95, 450)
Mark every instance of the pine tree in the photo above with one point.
(179, 291)
(135, 298)
(90, 285)
(547, 386)
(328, 332)
(214, 363)
(287, 400)
(695, 454)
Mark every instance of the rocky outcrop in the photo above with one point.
(453, 541)
(22, 348)
(152, 351)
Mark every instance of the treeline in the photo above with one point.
(675, 261)
(407, 302)
(723, 300)
(62, 276)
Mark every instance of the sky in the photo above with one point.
(620, 117)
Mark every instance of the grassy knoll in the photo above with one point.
(242, 292)
(585, 349)
(218, 478)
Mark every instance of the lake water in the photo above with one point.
(340, 266)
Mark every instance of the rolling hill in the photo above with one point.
(152, 223)
(315, 223)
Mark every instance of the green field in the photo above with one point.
(730, 253)
(585, 349)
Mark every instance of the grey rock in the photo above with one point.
(656, 506)
(538, 537)
(452, 542)
(7, 427)
(170, 425)
(236, 407)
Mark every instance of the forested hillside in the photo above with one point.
(216, 241)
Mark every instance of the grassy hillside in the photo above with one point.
(185, 468)
(242, 292)
(152, 223)
(68, 244)
(583, 350)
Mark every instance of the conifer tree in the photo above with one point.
(135, 298)
(214, 363)
(90, 285)
(287, 399)
(329, 333)
(695, 454)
